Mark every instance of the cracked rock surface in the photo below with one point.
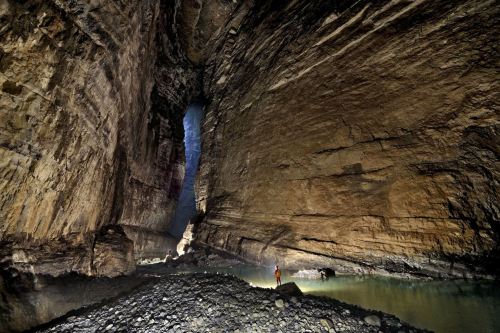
(92, 95)
(361, 136)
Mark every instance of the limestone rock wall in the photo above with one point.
(362, 136)
(91, 132)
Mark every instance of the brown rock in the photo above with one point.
(89, 134)
(362, 138)
(358, 136)
(113, 253)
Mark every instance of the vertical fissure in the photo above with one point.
(186, 206)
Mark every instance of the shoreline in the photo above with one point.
(202, 250)
(69, 302)
(188, 302)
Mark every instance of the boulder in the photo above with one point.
(290, 289)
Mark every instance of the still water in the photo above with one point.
(441, 306)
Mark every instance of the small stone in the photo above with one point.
(373, 320)
(327, 323)
(279, 303)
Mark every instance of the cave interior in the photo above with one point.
(357, 139)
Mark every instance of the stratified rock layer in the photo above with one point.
(91, 131)
(360, 136)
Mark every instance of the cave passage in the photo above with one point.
(186, 206)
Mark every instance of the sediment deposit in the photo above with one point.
(217, 303)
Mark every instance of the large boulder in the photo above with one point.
(113, 253)
(290, 289)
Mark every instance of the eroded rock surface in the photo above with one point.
(216, 303)
(359, 136)
(27, 301)
(92, 97)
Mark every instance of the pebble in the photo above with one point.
(279, 303)
(327, 323)
(373, 320)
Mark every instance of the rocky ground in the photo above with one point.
(218, 303)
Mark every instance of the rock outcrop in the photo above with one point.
(290, 289)
(360, 136)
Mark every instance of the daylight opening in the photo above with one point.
(186, 206)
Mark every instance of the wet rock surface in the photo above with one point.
(218, 303)
(204, 257)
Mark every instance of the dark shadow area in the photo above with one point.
(28, 300)
(186, 206)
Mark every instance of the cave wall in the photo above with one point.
(91, 136)
(360, 136)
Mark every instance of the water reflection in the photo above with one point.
(441, 306)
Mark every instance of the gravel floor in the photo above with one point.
(217, 303)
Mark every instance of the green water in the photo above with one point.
(440, 306)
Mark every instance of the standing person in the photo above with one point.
(277, 275)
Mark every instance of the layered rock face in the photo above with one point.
(360, 136)
(92, 97)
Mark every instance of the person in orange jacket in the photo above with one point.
(277, 275)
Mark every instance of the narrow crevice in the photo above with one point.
(186, 206)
